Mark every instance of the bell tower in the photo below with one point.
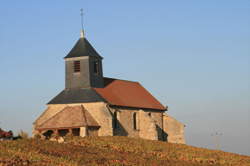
(83, 66)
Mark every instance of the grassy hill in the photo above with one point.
(111, 151)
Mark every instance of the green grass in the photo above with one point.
(112, 151)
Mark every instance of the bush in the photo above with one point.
(23, 134)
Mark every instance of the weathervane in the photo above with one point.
(81, 17)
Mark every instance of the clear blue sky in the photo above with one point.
(192, 55)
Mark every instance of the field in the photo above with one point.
(111, 151)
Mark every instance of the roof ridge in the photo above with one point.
(120, 79)
(84, 114)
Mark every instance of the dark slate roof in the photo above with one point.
(76, 96)
(82, 48)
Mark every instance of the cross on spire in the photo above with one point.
(81, 17)
(82, 32)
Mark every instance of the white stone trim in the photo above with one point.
(76, 58)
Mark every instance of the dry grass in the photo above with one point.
(112, 151)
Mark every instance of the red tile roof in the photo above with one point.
(129, 94)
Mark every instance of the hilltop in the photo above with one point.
(111, 151)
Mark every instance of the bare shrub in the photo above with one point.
(23, 134)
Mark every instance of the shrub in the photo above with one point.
(23, 134)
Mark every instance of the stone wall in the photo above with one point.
(101, 114)
(125, 122)
(148, 123)
(157, 118)
(98, 111)
(174, 130)
(148, 127)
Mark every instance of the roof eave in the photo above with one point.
(156, 109)
(97, 56)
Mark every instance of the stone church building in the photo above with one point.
(94, 105)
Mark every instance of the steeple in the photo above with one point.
(83, 65)
(82, 31)
(82, 46)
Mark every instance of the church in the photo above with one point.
(94, 105)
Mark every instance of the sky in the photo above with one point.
(194, 56)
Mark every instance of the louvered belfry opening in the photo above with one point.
(77, 66)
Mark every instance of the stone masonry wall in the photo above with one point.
(102, 115)
(149, 126)
(125, 122)
(148, 129)
(157, 117)
(98, 111)
(174, 130)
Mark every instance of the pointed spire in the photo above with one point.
(82, 31)
(82, 34)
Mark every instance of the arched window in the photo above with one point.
(115, 120)
(135, 121)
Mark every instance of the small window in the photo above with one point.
(115, 120)
(77, 67)
(149, 114)
(135, 121)
(96, 67)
